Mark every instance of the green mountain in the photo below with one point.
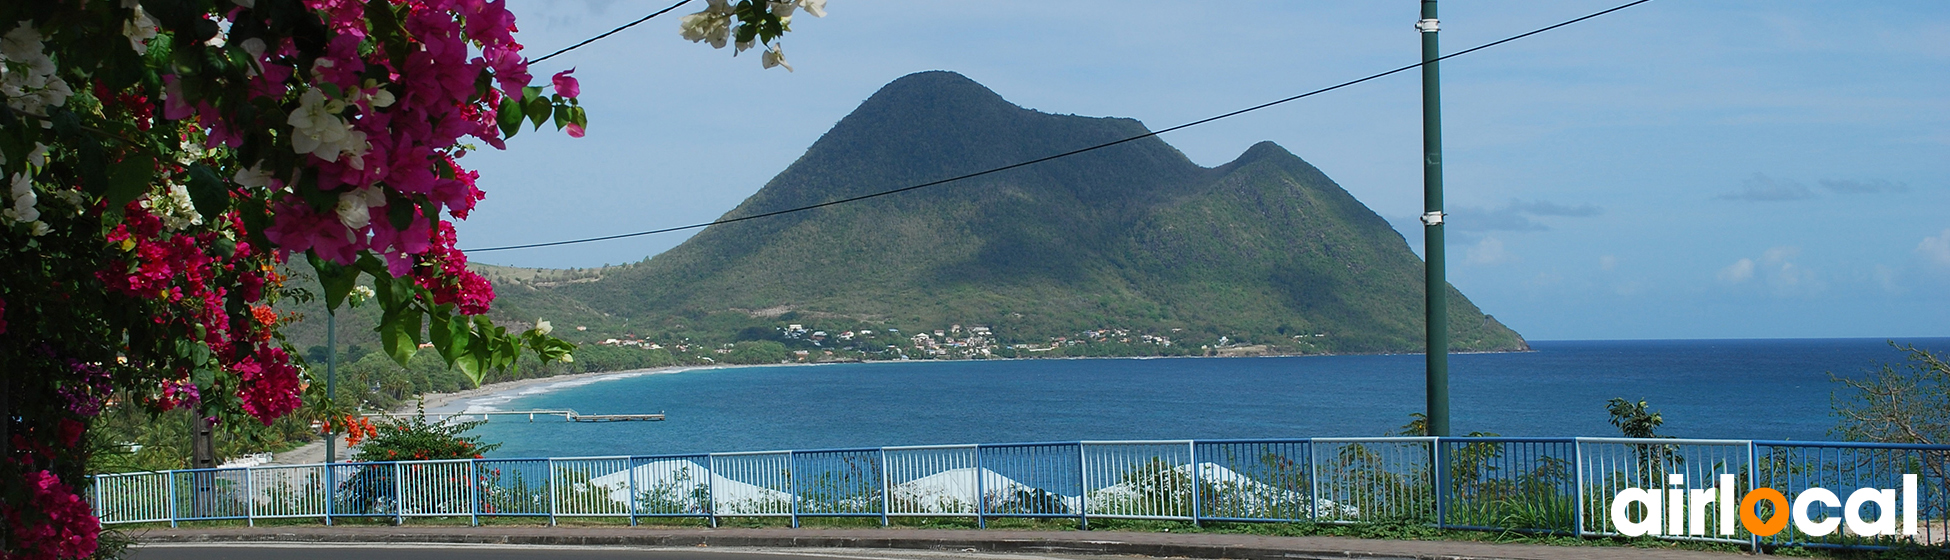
(1101, 248)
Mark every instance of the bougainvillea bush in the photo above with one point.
(162, 160)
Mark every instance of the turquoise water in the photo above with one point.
(1759, 389)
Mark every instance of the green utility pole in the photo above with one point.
(331, 379)
(1436, 284)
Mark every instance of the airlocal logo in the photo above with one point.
(1680, 511)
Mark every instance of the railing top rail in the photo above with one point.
(1136, 442)
(215, 469)
(1852, 444)
(1388, 439)
(1256, 440)
(837, 450)
(1507, 439)
(433, 461)
(594, 458)
(672, 456)
(927, 447)
(740, 453)
(514, 459)
(1027, 444)
(1682, 441)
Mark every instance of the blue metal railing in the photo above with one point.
(1543, 485)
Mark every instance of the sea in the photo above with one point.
(1741, 389)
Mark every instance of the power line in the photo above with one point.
(1068, 153)
(611, 32)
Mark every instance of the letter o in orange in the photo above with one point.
(1751, 519)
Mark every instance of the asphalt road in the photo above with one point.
(253, 551)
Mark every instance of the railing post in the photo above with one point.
(711, 488)
(886, 489)
(551, 492)
(331, 492)
(981, 493)
(399, 494)
(1313, 478)
(792, 486)
(1083, 490)
(474, 492)
(1192, 446)
(101, 509)
(250, 499)
(629, 471)
(169, 477)
(1577, 462)
(1438, 478)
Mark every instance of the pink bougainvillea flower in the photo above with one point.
(575, 130)
(566, 85)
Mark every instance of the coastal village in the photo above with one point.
(805, 343)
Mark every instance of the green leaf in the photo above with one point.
(538, 110)
(337, 281)
(449, 336)
(128, 179)
(401, 213)
(393, 337)
(470, 364)
(561, 116)
(208, 193)
(509, 117)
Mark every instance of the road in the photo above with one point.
(257, 551)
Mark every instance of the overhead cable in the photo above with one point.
(1064, 154)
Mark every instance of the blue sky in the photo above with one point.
(1681, 169)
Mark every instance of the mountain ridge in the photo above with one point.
(1265, 249)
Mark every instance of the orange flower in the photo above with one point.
(264, 315)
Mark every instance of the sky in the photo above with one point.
(1677, 170)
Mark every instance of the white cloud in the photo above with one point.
(1776, 271)
(1488, 251)
(1740, 271)
(1936, 250)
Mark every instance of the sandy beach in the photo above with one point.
(440, 405)
(489, 397)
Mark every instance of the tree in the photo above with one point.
(161, 158)
(1909, 403)
(1635, 420)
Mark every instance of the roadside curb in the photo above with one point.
(1109, 543)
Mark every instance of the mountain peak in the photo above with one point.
(938, 90)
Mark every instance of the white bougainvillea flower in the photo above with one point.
(706, 26)
(317, 130)
(354, 206)
(775, 57)
(38, 157)
(254, 176)
(175, 208)
(815, 7)
(543, 327)
(24, 200)
(22, 44)
(35, 87)
(139, 29)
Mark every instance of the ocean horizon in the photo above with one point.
(1726, 388)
